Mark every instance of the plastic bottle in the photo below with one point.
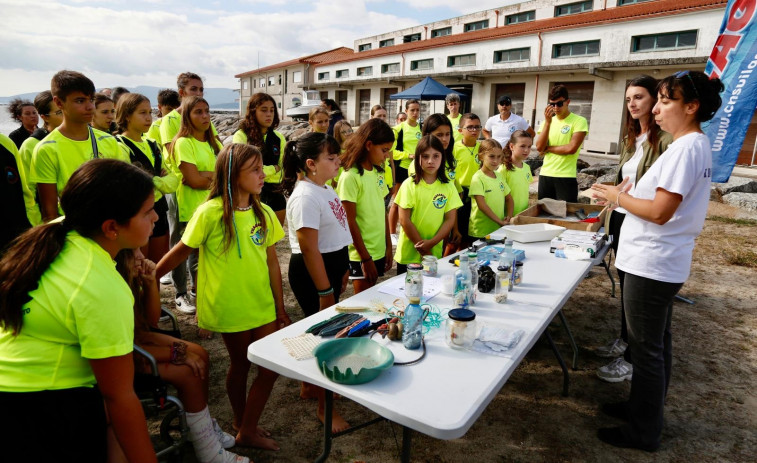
(502, 285)
(463, 283)
(473, 263)
(413, 325)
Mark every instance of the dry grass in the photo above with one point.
(746, 222)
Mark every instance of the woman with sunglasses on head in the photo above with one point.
(664, 215)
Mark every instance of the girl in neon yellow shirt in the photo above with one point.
(517, 173)
(240, 293)
(105, 113)
(491, 203)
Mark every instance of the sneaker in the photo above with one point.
(193, 294)
(612, 350)
(616, 371)
(166, 280)
(227, 440)
(184, 304)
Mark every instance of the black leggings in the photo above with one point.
(616, 221)
(304, 289)
(564, 189)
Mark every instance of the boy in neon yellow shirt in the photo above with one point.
(466, 156)
(453, 105)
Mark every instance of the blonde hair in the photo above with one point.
(487, 146)
(316, 111)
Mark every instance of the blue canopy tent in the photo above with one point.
(427, 89)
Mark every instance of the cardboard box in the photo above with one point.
(534, 214)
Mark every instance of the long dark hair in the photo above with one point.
(432, 123)
(633, 126)
(426, 142)
(16, 107)
(373, 130)
(99, 190)
(225, 184)
(249, 125)
(691, 86)
(296, 154)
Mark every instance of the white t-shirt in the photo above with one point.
(632, 166)
(502, 130)
(663, 252)
(312, 206)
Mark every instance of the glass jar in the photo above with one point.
(502, 285)
(460, 328)
(414, 281)
(430, 266)
(518, 279)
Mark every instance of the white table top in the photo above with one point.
(443, 395)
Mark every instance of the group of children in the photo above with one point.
(203, 196)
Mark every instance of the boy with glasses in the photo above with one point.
(559, 140)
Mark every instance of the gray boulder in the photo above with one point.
(602, 168)
(734, 185)
(607, 178)
(746, 201)
(585, 181)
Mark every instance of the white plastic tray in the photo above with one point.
(532, 232)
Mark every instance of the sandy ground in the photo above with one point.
(711, 411)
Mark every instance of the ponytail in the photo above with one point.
(291, 167)
(296, 154)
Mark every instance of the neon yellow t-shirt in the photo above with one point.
(169, 127)
(560, 133)
(25, 153)
(388, 176)
(154, 132)
(233, 294)
(271, 176)
(456, 134)
(33, 213)
(467, 162)
(56, 157)
(163, 185)
(82, 309)
(429, 203)
(200, 154)
(494, 191)
(518, 180)
(410, 137)
(367, 191)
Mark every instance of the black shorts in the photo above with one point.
(272, 197)
(463, 213)
(161, 226)
(336, 264)
(560, 188)
(356, 270)
(75, 418)
(400, 175)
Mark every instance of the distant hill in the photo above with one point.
(219, 98)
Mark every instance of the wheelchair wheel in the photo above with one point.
(172, 436)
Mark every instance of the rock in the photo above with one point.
(581, 165)
(602, 168)
(298, 133)
(584, 197)
(533, 188)
(535, 172)
(607, 178)
(746, 201)
(534, 161)
(735, 185)
(585, 181)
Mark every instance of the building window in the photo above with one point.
(364, 47)
(386, 43)
(421, 64)
(669, 41)
(365, 71)
(441, 32)
(515, 54)
(245, 85)
(631, 2)
(254, 83)
(262, 82)
(461, 60)
(342, 73)
(323, 76)
(411, 38)
(297, 76)
(520, 17)
(390, 68)
(271, 81)
(476, 26)
(573, 8)
(564, 50)
(279, 79)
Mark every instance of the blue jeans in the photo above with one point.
(649, 311)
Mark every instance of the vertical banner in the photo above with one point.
(734, 61)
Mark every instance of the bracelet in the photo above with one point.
(362, 261)
(178, 352)
(617, 200)
(326, 292)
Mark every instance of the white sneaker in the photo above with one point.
(166, 280)
(184, 304)
(615, 349)
(616, 371)
(227, 440)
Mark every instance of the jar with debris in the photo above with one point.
(414, 281)
(502, 285)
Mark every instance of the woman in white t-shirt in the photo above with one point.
(644, 142)
(664, 215)
(318, 234)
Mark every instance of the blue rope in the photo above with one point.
(231, 203)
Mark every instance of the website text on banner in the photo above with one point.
(734, 60)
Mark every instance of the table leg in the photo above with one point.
(406, 444)
(609, 275)
(683, 299)
(327, 438)
(566, 379)
(570, 337)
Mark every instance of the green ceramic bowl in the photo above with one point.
(352, 360)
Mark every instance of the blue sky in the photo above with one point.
(148, 42)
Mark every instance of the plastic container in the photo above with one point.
(502, 285)
(518, 278)
(460, 328)
(463, 283)
(533, 232)
(430, 266)
(473, 265)
(352, 360)
(412, 332)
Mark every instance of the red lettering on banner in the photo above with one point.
(746, 8)
(739, 16)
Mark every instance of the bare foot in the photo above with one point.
(259, 430)
(308, 391)
(257, 441)
(204, 334)
(338, 424)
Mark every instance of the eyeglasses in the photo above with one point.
(345, 132)
(472, 128)
(681, 74)
(57, 113)
(556, 104)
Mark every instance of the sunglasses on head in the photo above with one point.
(557, 104)
(681, 74)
